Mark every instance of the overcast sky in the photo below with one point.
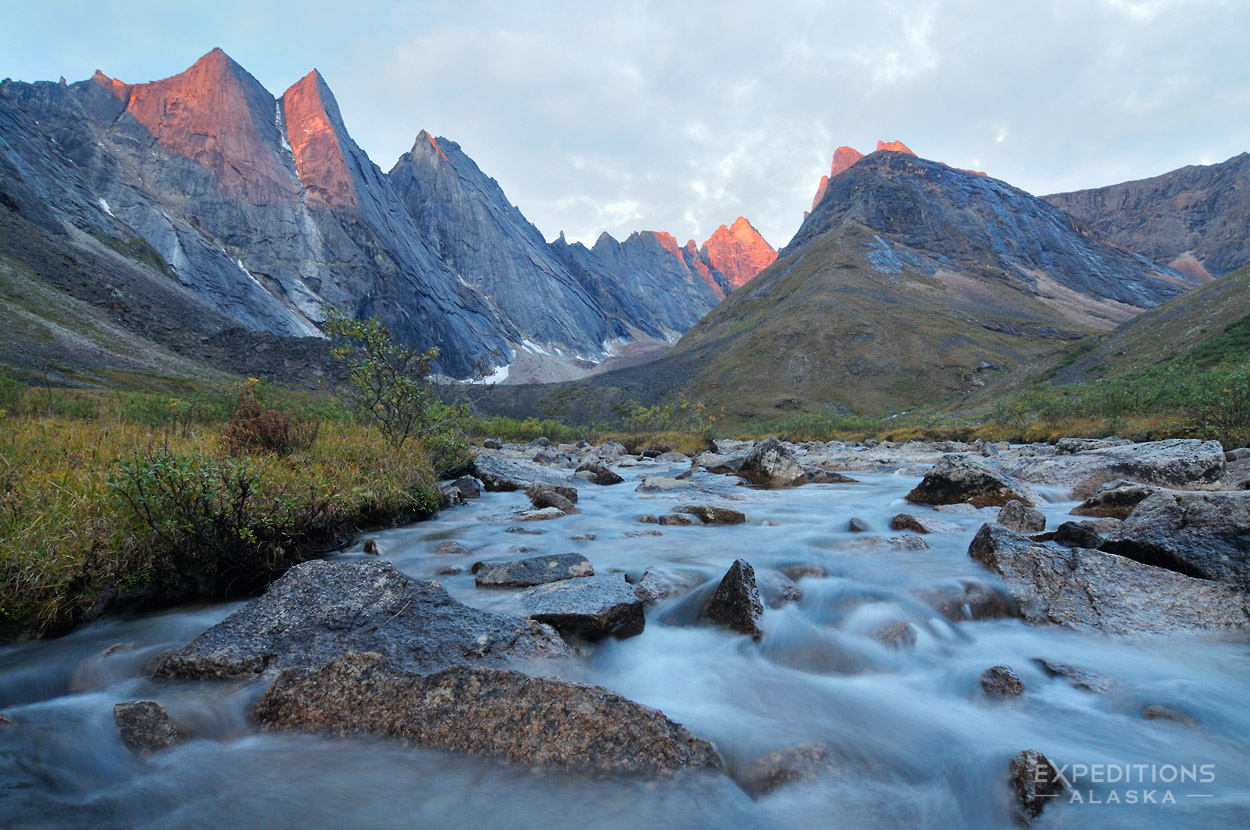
(680, 116)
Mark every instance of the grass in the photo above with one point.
(119, 501)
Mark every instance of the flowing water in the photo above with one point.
(916, 743)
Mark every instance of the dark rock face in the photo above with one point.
(1203, 535)
(592, 607)
(320, 610)
(1000, 682)
(1016, 517)
(508, 474)
(736, 603)
(536, 570)
(771, 463)
(1076, 535)
(805, 762)
(1192, 218)
(956, 479)
(1034, 781)
(713, 514)
(1114, 500)
(500, 714)
(1091, 590)
(145, 725)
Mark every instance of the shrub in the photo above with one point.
(256, 426)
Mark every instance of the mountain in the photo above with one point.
(737, 251)
(265, 210)
(911, 282)
(1194, 218)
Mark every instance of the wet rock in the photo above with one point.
(858, 525)
(1076, 677)
(541, 441)
(649, 519)
(1076, 535)
(1070, 446)
(819, 475)
(489, 712)
(5, 721)
(663, 484)
(536, 570)
(805, 570)
(1016, 517)
(596, 472)
(777, 589)
(590, 608)
(904, 542)
(720, 464)
(528, 531)
(584, 537)
(1156, 712)
(450, 496)
(449, 570)
(956, 478)
(320, 610)
(1092, 590)
(1203, 535)
(679, 520)
(611, 448)
(538, 491)
(736, 603)
(144, 725)
(452, 548)
(898, 634)
(771, 464)
(634, 534)
(658, 585)
(371, 547)
(713, 514)
(923, 524)
(541, 515)
(797, 764)
(1114, 500)
(1000, 682)
(507, 474)
(969, 601)
(492, 444)
(547, 456)
(1181, 463)
(544, 496)
(672, 457)
(469, 487)
(1034, 782)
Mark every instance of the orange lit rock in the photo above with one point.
(844, 157)
(311, 115)
(895, 146)
(696, 262)
(219, 116)
(738, 252)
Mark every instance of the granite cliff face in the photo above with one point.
(1194, 219)
(738, 252)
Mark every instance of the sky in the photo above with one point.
(681, 116)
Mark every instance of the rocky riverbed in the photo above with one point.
(770, 635)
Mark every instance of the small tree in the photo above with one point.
(391, 386)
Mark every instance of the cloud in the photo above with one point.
(682, 116)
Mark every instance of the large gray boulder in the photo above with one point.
(500, 474)
(535, 570)
(1180, 463)
(592, 607)
(1203, 535)
(957, 479)
(736, 604)
(490, 712)
(1015, 516)
(320, 610)
(1089, 590)
(771, 464)
(596, 472)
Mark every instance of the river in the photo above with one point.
(916, 743)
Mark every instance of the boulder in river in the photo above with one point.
(1015, 516)
(736, 603)
(500, 474)
(1076, 535)
(968, 601)
(491, 712)
(535, 570)
(663, 484)
(998, 682)
(1034, 782)
(591, 607)
(1203, 535)
(1181, 463)
(713, 514)
(771, 464)
(658, 585)
(923, 524)
(319, 610)
(796, 764)
(452, 548)
(858, 525)
(957, 478)
(144, 725)
(1115, 500)
(1091, 590)
(548, 496)
(596, 472)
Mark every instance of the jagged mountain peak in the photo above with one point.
(738, 251)
(315, 132)
(894, 147)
